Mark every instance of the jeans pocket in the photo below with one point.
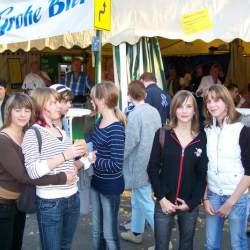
(44, 204)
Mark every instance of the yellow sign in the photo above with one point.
(196, 22)
(102, 15)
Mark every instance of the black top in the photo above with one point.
(191, 176)
(159, 99)
(244, 142)
(3, 106)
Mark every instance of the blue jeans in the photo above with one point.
(237, 223)
(105, 209)
(142, 209)
(165, 222)
(57, 221)
(12, 224)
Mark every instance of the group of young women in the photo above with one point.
(190, 166)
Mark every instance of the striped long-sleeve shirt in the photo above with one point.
(109, 143)
(37, 166)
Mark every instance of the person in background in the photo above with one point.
(3, 100)
(156, 96)
(78, 82)
(228, 175)
(107, 182)
(36, 78)
(138, 143)
(18, 114)
(247, 98)
(65, 99)
(58, 206)
(211, 79)
(196, 77)
(173, 82)
(234, 92)
(177, 171)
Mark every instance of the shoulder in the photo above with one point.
(245, 133)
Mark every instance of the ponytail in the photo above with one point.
(120, 116)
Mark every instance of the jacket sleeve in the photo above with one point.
(201, 175)
(154, 169)
(13, 164)
(244, 142)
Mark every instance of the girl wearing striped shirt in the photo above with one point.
(57, 205)
(107, 182)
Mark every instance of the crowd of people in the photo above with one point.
(159, 146)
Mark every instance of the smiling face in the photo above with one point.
(185, 111)
(2, 93)
(20, 117)
(52, 109)
(215, 106)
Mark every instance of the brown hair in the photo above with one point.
(137, 90)
(18, 100)
(220, 92)
(179, 98)
(108, 91)
(40, 97)
(148, 77)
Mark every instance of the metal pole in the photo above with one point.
(98, 58)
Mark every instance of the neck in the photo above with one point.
(138, 103)
(220, 121)
(48, 121)
(181, 126)
(108, 114)
(15, 129)
(58, 123)
(76, 74)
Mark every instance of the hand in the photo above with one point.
(208, 207)
(182, 206)
(92, 156)
(167, 207)
(75, 150)
(71, 177)
(225, 209)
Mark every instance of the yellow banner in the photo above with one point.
(102, 16)
(196, 22)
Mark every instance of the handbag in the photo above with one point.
(27, 199)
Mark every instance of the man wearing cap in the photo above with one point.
(78, 82)
(3, 100)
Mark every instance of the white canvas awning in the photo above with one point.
(133, 19)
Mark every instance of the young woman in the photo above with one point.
(107, 182)
(57, 205)
(178, 173)
(143, 121)
(19, 113)
(228, 176)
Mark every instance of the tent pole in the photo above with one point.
(98, 58)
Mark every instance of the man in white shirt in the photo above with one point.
(3, 99)
(211, 79)
(36, 78)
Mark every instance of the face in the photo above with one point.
(185, 112)
(234, 92)
(20, 116)
(65, 105)
(215, 72)
(76, 66)
(35, 67)
(52, 109)
(2, 93)
(98, 105)
(216, 107)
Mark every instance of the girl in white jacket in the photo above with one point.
(228, 175)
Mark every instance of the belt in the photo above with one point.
(7, 201)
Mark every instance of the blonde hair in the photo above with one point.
(220, 92)
(179, 98)
(19, 100)
(40, 97)
(107, 91)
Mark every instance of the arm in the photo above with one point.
(116, 147)
(243, 185)
(45, 78)
(199, 91)
(13, 164)
(132, 134)
(154, 168)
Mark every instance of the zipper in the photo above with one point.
(181, 166)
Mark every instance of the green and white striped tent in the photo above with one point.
(130, 61)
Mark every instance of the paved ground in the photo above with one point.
(82, 239)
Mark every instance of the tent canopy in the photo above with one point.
(134, 19)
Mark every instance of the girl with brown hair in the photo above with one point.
(107, 182)
(177, 171)
(228, 175)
